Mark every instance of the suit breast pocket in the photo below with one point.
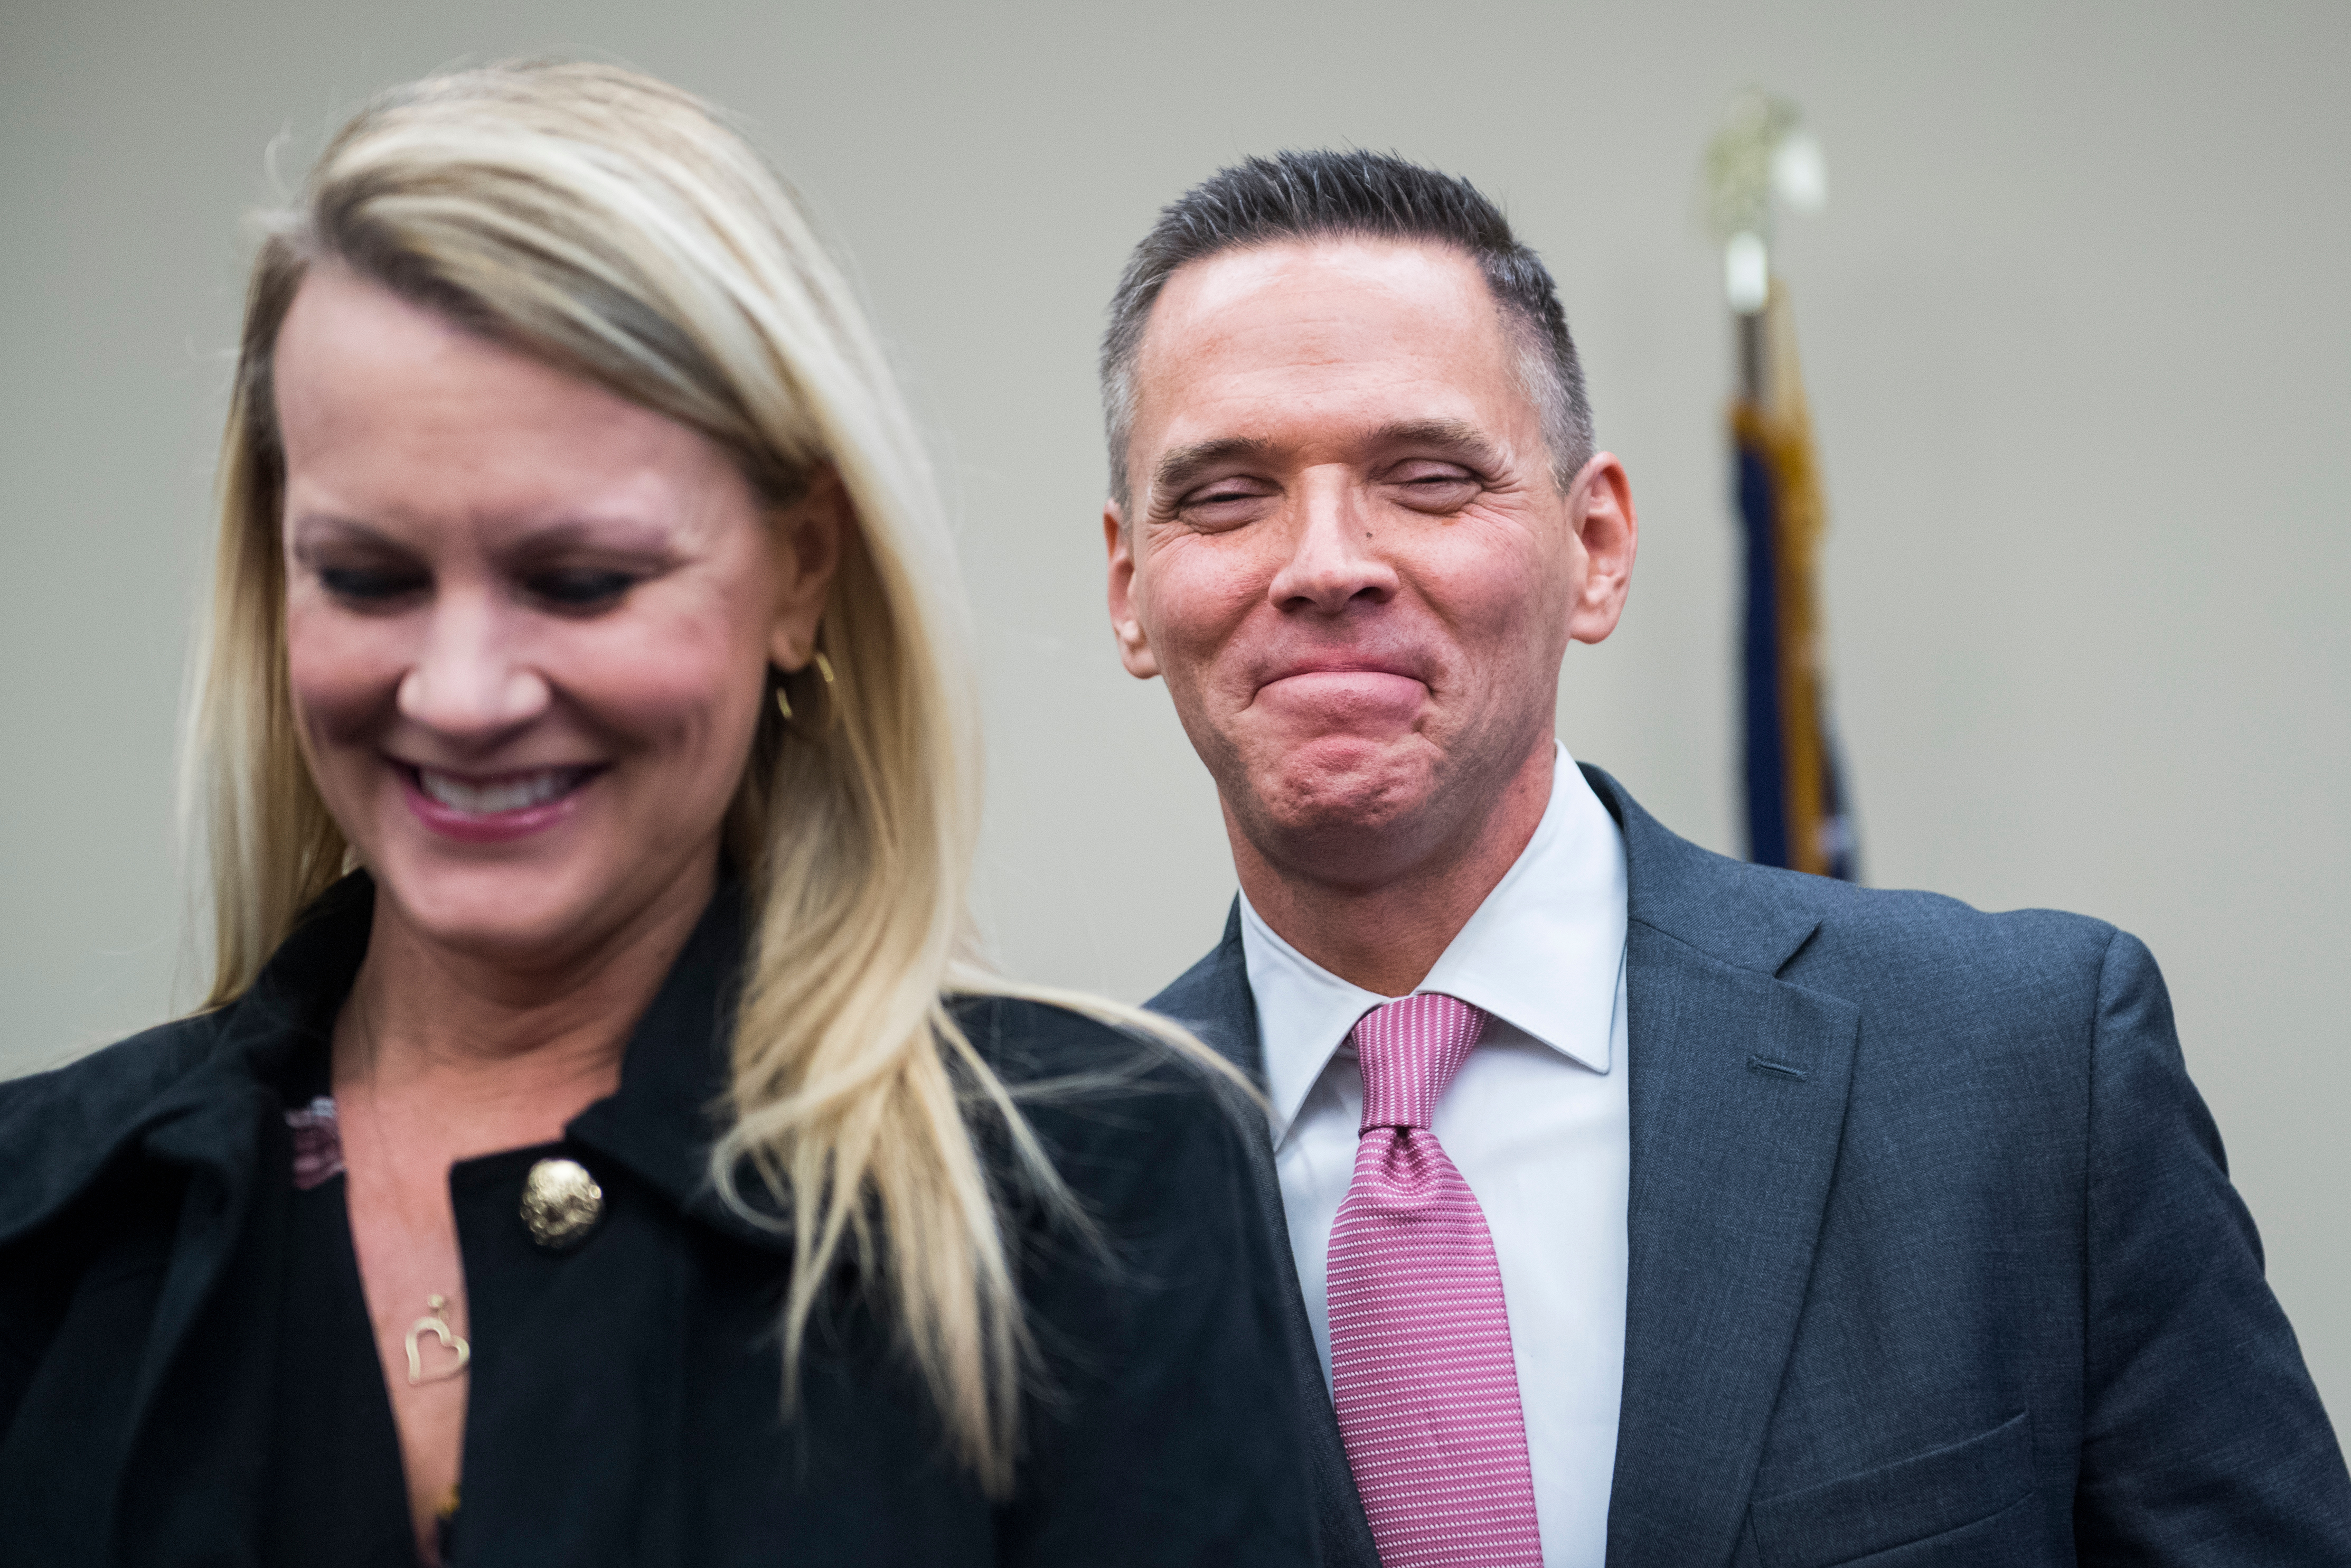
(1951, 1496)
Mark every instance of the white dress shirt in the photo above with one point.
(1536, 1121)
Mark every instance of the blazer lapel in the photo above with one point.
(1737, 1093)
(1213, 999)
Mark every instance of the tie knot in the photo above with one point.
(1410, 1049)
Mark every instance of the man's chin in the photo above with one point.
(1334, 802)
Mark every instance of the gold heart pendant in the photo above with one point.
(433, 1323)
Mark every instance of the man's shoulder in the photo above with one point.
(1948, 993)
(1884, 946)
(56, 1128)
(1836, 936)
(1912, 929)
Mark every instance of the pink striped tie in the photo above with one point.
(1420, 1340)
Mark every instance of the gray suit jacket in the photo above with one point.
(1934, 1256)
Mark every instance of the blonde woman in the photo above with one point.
(595, 1148)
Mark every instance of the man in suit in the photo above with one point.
(1647, 1207)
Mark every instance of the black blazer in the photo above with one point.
(1934, 1257)
(626, 1406)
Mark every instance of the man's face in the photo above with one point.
(1346, 550)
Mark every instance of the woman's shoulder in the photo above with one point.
(118, 1079)
(1104, 1095)
(56, 1128)
(1033, 1040)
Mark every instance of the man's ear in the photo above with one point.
(1600, 514)
(806, 539)
(1125, 623)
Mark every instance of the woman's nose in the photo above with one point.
(1334, 560)
(470, 679)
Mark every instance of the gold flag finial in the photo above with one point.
(1761, 157)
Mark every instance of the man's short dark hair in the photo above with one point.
(1327, 195)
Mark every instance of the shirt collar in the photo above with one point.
(1541, 953)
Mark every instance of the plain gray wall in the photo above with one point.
(2077, 324)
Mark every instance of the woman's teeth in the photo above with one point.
(514, 792)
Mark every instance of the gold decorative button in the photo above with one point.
(562, 1202)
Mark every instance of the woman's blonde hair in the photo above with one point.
(616, 228)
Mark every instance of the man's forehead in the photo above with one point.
(1315, 282)
(1325, 322)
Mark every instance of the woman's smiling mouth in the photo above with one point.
(488, 807)
(504, 792)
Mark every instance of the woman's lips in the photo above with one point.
(495, 808)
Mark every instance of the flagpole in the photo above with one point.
(1750, 327)
(1796, 812)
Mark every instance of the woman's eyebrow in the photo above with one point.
(625, 535)
(310, 529)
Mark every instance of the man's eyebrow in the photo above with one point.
(1179, 467)
(1454, 436)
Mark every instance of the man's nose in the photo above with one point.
(470, 680)
(1335, 555)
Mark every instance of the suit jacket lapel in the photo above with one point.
(1213, 999)
(1738, 1095)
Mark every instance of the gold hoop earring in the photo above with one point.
(783, 677)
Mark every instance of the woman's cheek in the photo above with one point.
(343, 677)
(685, 696)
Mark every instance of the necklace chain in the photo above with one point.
(435, 1321)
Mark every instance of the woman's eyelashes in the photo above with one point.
(371, 586)
(579, 590)
(565, 590)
